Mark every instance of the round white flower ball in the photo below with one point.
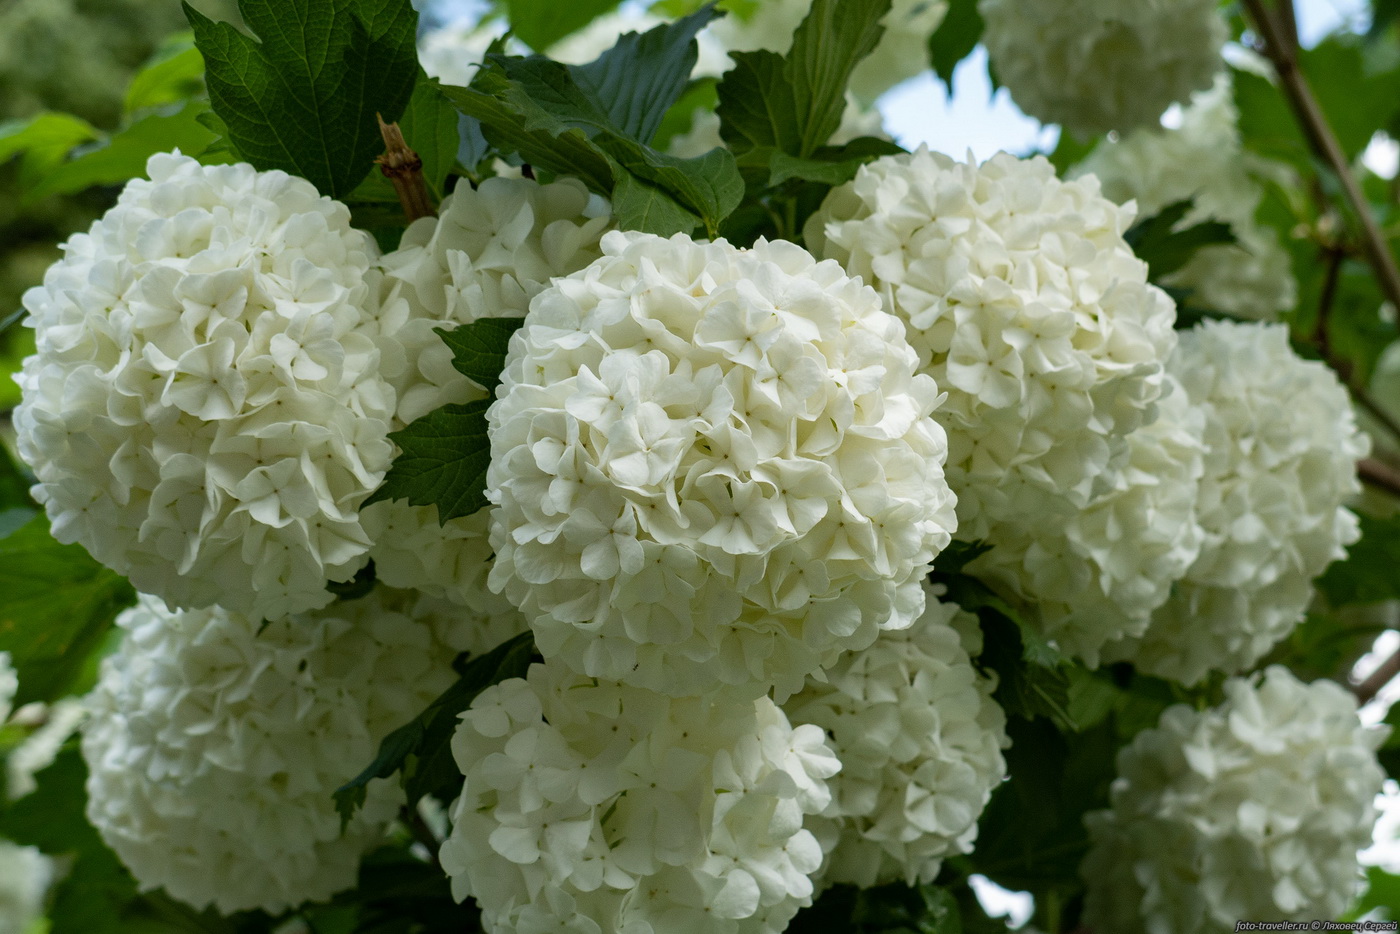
(1099, 65)
(592, 807)
(215, 743)
(1203, 160)
(25, 874)
(1253, 809)
(919, 738)
(713, 465)
(1095, 575)
(488, 252)
(1025, 305)
(205, 412)
(901, 53)
(1281, 451)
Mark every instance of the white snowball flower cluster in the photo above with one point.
(205, 412)
(1025, 305)
(1204, 160)
(1253, 809)
(593, 807)
(489, 252)
(214, 744)
(919, 738)
(901, 53)
(1097, 575)
(711, 466)
(1099, 65)
(1281, 452)
(25, 874)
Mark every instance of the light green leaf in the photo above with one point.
(541, 23)
(174, 74)
(639, 205)
(304, 98)
(56, 607)
(43, 141)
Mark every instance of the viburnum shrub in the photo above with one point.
(611, 486)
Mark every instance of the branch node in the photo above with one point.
(404, 169)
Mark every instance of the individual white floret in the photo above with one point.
(1095, 575)
(214, 744)
(713, 466)
(1026, 306)
(25, 874)
(1281, 451)
(901, 53)
(1203, 160)
(1099, 65)
(919, 738)
(1253, 809)
(489, 252)
(591, 806)
(205, 412)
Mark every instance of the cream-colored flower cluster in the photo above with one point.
(593, 807)
(1096, 576)
(1025, 305)
(713, 466)
(1281, 450)
(1098, 65)
(919, 738)
(215, 742)
(1253, 809)
(1204, 160)
(205, 412)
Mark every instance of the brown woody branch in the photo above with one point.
(404, 169)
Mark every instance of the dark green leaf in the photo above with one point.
(830, 165)
(1371, 571)
(708, 186)
(794, 103)
(124, 155)
(1158, 242)
(56, 606)
(639, 78)
(954, 39)
(14, 483)
(699, 96)
(430, 127)
(422, 748)
(541, 23)
(174, 74)
(304, 98)
(639, 205)
(886, 909)
(479, 348)
(442, 461)
(957, 555)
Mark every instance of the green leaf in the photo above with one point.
(1382, 891)
(1158, 242)
(174, 74)
(442, 461)
(700, 95)
(422, 748)
(1371, 571)
(541, 23)
(304, 98)
(830, 165)
(56, 607)
(639, 205)
(43, 141)
(708, 185)
(479, 348)
(954, 39)
(430, 127)
(958, 555)
(640, 77)
(794, 102)
(123, 156)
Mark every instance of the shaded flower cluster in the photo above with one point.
(593, 807)
(1253, 809)
(215, 742)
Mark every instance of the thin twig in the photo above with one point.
(1378, 412)
(1321, 329)
(1379, 474)
(404, 168)
(1279, 46)
(1376, 681)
